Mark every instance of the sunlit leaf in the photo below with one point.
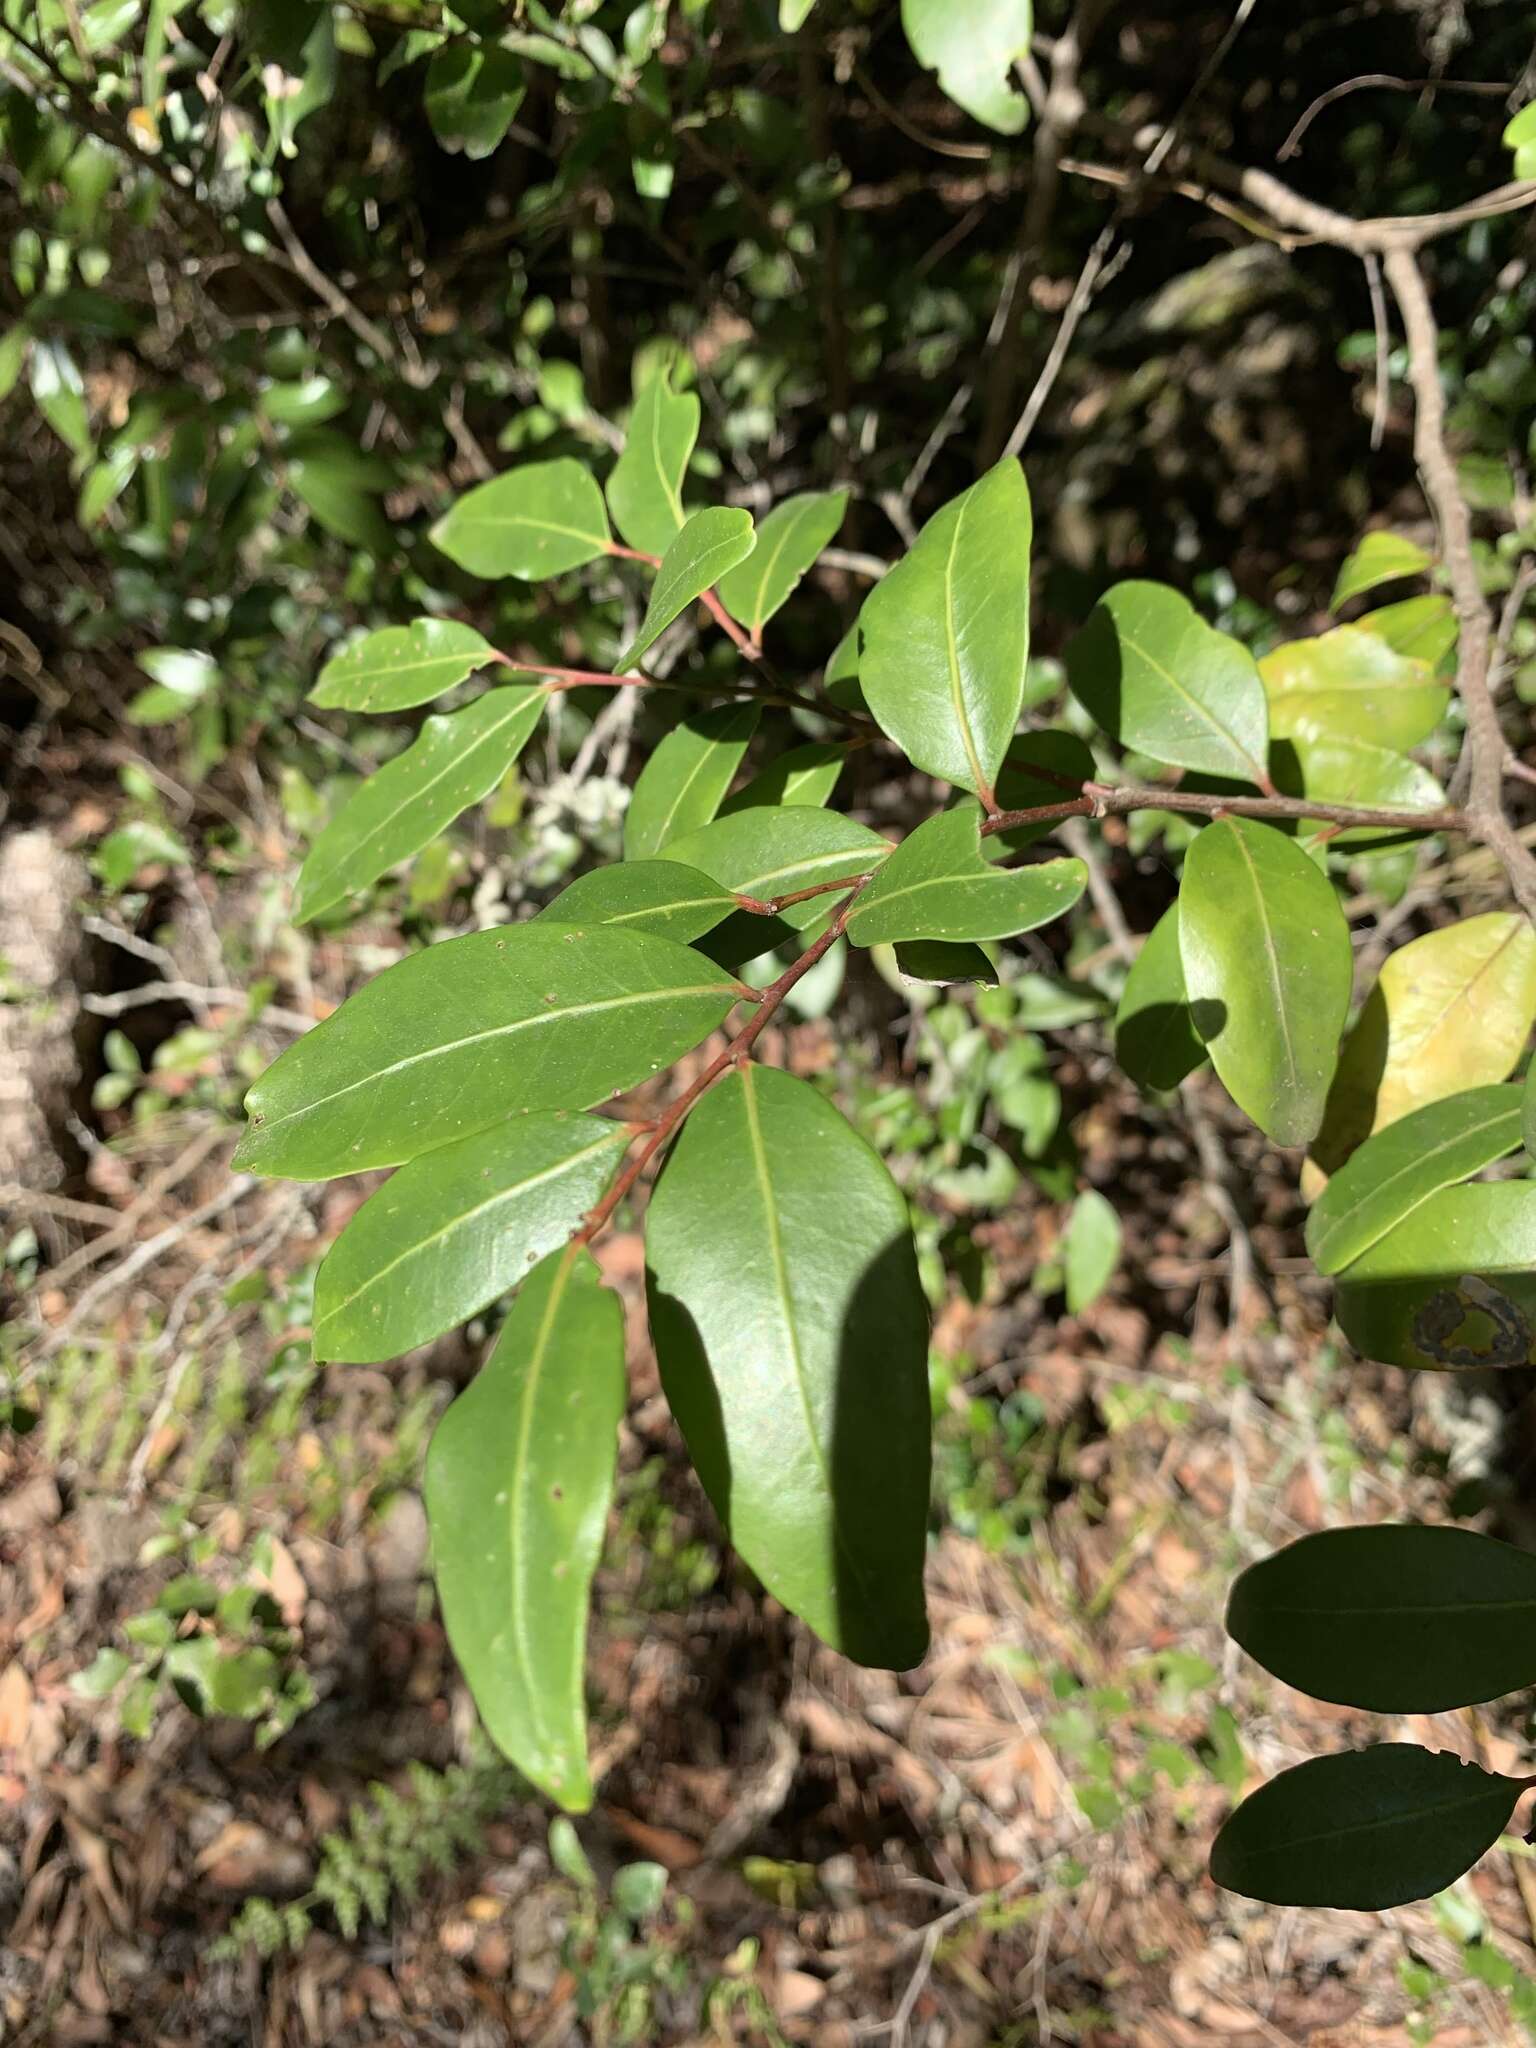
(645, 490)
(802, 775)
(400, 666)
(1353, 684)
(1335, 769)
(1090, 1249)
(473, 92)
(532, 522)
(711, 542)
(788, 542)
(1155, 1037)
(660, 896)
(1381, 557)
(684, 782)
(974, 50)
(771, 853)
(936, 885)
(1451, 1286)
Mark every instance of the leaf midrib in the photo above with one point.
(1367, 1827)
(1201, 709)
(979, 781)
(1414, 1166)
(526, 1598)
(1282, 1014)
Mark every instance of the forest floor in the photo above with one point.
(1004, 1846)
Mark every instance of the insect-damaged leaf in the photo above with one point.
(518, 1481)
(1453, 1285)
(457, 759)
(541, 1016)
(455, 1228)
(660, 896)
(791, 1332)
(1155, 1037)
(936, 885)
(788, 542)
(684, 782)
(645, 491)
(946, 634)
(400, 666)
(533, 522)
(1394, 1619)
(1369, 1829)
(1267, 969)
(711, 542)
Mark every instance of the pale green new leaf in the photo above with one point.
(518, 1481)
(538, 1016)
(533, 522)
(1423, 628)
(646, 895)
(770, 853)
(456, 760)
(936, 885)
(645, 490)
(711, 542)
(400, 666)
(974, 49)
(455, 1228)
(946, 634)
(684, 782)
(1381, 557)
(1159, 680)
(791, 1333)
(1453, 1285)
(788, 542)
(1267, 969)
(1090, 1249)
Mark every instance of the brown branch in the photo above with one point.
(1099, 800)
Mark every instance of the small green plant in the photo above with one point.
(621, 1947)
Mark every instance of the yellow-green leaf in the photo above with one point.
(1381, 557)
(1350, 682)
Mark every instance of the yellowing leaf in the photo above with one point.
(1352, 683)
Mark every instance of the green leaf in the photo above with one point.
(1396, 1620)
(802, 775)
(711, 542)
(765, 854)
(341, 490)
(1424, 628)
(788, 542)
(518, 1482)
(457, 1227)
(1332, 768)
(1520, 136)
(1369, 1829)
(946, 634)
(1353, 684)
(533, 522)
(794, 14)
(473, 92)
(660, 896)
(568, 1856)
(791, 1332)
(456, 760)
(1155, 1037)
(942, 965)
(1380, 558)
(59, 394)
(400, 666)
(1449, 1011)
(1160, 681)
(638, 1889)
(684, 782)
(645, 490)
(1398, 1169)
(182, 677)
(1090, 1249)
(1267, 968)
(936, 885)
(1528, 1115)
(455, 1038)
(1041, 768)
(1453, 1285)
(974, 49)
(105, 1672)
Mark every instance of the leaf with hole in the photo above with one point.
(974, 50)
(946, 634)
(456, 1227)
(711, 542)
(1155, 1037)
(1149, 670)
(768, 853)
(791, 1332)
(684, 782)
(788, 542)
(645, 489)
(400, 666)
(538, 1016)
(1267, 970)
(1398, 1169)
(1452, 1286)
(1381, 557)
(518, 1481)
(533, 522)
(662, 896)
(937, 885)
(1351, 683)
(1393, 1619)
(1369, 1829)
(457, 759)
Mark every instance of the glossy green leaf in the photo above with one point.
(937, 885)
(1333, 768)
(1398, 1169)
(473, 92)
(1453, 1285)
(645, 490)
(791, 1333)
(1353, 684)
(802, 775)
(538, 1016)
(1398, 1620)
(1159, 680)
(1381, 557)
(518, 1481)
(1090, 1249)
(1449, 1011)
(1041, 768)
(974, 50)
(1369, 1829)
(684, 782)
(946, 634)
(660, 896)
(455, 1228)
(708, 544)
(400, 666)
(456, 760)
(1423, 628)
(533, 522)
(788, 542)
(1155, 1037)
(1267, 969)
(767, 853)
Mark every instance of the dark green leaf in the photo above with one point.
(541, 1016)
(519, 1477)
(791, 1332)
(1369, 1829)
(765, 854)
(788, 542)
(660, 896)
(711, 542)
(1155, 1037)
(531, 523)
(684, 782)
(1453, 1285)
(936, 885)
(942, 965)
(473, 92)
(645, 491)
(341, 497)
(400, 666)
